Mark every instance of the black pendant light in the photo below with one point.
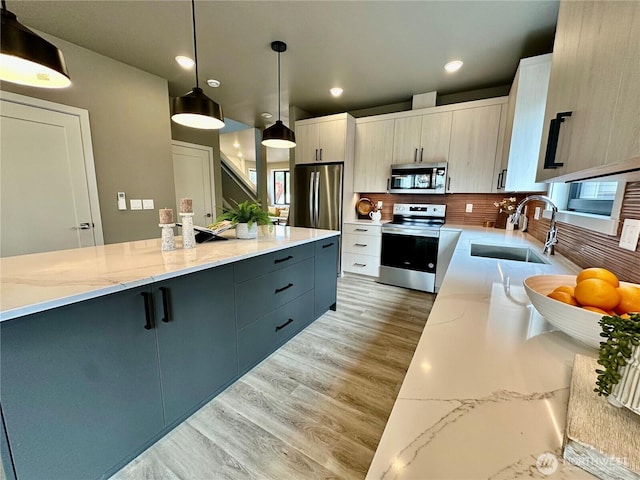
(278, 135)
(195, 109)
(28, 59)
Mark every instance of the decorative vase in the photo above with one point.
(626, 393)
(244, 231)
(501, 220)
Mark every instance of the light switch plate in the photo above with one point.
(469, 208)
(136, 204)
(536, 213)
(630, 234)
(122, 201)
(147, 204)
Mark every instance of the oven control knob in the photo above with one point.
(431, 265)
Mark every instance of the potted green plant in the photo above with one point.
(619, 355)
(246, 216)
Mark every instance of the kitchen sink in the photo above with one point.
(506, 252)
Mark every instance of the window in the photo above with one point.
(592, 197)
(281, 187)
(252, 176)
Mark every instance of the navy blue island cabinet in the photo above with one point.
(88, 386)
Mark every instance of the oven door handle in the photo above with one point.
(410, 234)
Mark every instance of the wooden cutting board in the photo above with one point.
(599, 438)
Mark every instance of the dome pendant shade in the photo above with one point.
(196, 110)
(28, 59)
(278, 136)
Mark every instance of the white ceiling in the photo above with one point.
(380, 52)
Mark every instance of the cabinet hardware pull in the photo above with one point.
(315, 159)
(448, 183)
(359, 244)
(327, 245)
(362, 229)
(421, 152)
(280, 260)
(320, 154)
(552, 140)
(278, 290)
(149, 311)
(498, 187)
(388, 179)
(166, 305)
(360, 264)
(415, 155)
(280, 327)
(504, 178)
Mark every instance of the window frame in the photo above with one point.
(287, 185)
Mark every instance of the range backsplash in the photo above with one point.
(583, 247)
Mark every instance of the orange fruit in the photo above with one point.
(563, 297)
(598, 310)
(629, 299)
(601, 273)
(596, 292)
(567, 289)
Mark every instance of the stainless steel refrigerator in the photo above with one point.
(318, 196)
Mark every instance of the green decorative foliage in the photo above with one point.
(246, 212)
(620, 335)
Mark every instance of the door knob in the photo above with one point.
(208, 215)
(83, 226)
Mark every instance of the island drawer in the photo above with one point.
(259, 296)
(256, 266)
(260, 338)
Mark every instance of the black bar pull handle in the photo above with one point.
(421, 152)
(552, 141)
(415, 155)
(166, 305)
(504, 178)
(280, 260)
(327, 245)
(361, 229)
(359, 244)
(149, 311)
(278, 290)
(388, 181)
(499, 183)
(280, 327)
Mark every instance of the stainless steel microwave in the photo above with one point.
(428, 178)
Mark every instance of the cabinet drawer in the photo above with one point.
(362, 244)
(362, 229)
(363, 264)
(254, 267)
(259, 296)
(260, 338)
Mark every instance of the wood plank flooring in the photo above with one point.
(315, 409)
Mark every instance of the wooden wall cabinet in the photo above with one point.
(324, 139)
(476, 151)
(595, 75)
(422, 138)
(524, 123)
(373, 155)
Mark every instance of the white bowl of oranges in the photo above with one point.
(575, 304)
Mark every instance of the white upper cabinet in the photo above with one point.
(322, 139)
(595, 81)
(373, 152)
(475, 154)
(525, 119)
(422, 138)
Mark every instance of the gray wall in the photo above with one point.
(131, 135)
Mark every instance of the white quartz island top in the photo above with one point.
(487, 389)
(37, 282)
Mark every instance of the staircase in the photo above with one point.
(235, 187)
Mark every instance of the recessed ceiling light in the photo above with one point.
(236, 145)
(240, 154)
(453, 66)
(336, 91)
(266, 115)
(185, 62)
(212, 82)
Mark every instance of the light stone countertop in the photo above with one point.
(37, 282)
(486, 392)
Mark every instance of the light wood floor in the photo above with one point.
(315, 409)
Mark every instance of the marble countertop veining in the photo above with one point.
(37, 282)
(487, 389)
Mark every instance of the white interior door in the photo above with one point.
(46, 202)
(192, 167)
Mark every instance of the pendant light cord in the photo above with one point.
(195, 43)
(278, 84)
(4, 5)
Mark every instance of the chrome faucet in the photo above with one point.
(553, 230)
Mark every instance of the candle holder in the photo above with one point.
(188, 235)
(168, 240)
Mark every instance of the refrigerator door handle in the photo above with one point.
(317, 200)
(311, 198)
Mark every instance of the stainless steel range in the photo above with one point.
(410, 246)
